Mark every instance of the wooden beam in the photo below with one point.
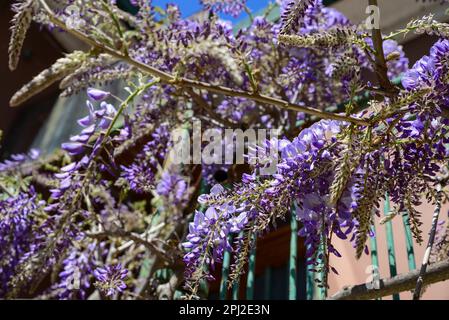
(436, 272)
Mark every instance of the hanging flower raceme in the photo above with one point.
(96, 121)
(208, 235)
(76, 276)
(16, 160)
(141, 174)
(304, 177)
(173, 187)
(18, 214)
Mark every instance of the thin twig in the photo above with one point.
(5, 190)
(198, 99)
(249, 13)
(149, 244)
(381, 64)
(433, 230)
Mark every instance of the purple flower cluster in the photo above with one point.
(207, 238)
(299, 159)
(429, 71)
(16, 160)
(293, 13)
(231, 7)
(208, 233)
(141, 173)
(99, 197)
(173, 187)
(110, 279)
(422, 130)
(17, 216)
(316, 66)
(96, 120)
(67, 178)
(75, 278)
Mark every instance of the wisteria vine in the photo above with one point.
(108, 212)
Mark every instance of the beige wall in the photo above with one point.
(354, 271)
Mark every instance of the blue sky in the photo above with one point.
(188, 7)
